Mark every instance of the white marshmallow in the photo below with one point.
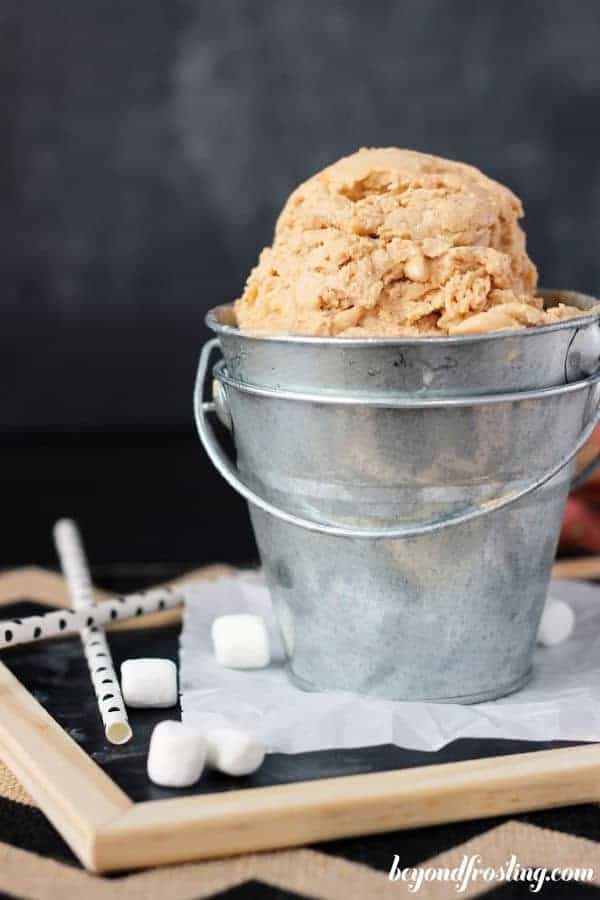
(241, 641)
(149, 682)
(556, 624)
(176, 756)
(234, 751)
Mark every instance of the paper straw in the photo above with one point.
(64, 622)
(104, 678)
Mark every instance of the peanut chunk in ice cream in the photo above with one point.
(390, 242)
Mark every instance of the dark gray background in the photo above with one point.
(148, 146)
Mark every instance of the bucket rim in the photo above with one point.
(397, 401)
(212, 321)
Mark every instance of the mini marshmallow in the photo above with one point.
(149, 682)
(176, 756)
(233, 751)
(241, 641)
(556, 624)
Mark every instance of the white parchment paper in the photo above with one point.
(562, 702)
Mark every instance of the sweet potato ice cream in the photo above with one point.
(390, 242)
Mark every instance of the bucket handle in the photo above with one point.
(229, 472)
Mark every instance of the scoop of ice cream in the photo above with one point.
(392, 242)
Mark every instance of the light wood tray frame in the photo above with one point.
(108, 831)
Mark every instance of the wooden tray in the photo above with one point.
(101, 802)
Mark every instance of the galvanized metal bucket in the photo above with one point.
(406, 531)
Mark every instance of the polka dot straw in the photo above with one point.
(108, 693)
(63, 622)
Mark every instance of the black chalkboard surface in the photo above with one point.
(101, 802)
(55, 672)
